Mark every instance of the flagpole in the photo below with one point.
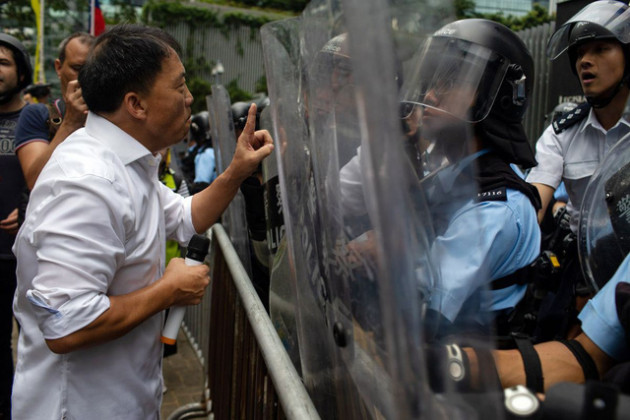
(42, 75)
(92, 19)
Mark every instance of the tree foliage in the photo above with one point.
(295, 6)
(537, 16)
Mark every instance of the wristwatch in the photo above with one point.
(455, 363)
(520, 401)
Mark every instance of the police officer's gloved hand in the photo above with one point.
(561, 218)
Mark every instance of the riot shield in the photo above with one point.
(603, 228)
(418, 199)
(224, 141)
(281, 46)
(367, 204)
(282, 294)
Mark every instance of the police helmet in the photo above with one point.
(480, 53)
(241, 109)
(21, 57)
(600, 20)
(239, 114)
(604, 19)
(200, 128)
(497, 71)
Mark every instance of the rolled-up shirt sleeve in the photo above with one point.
(177, 215)
(78, 247)
(600, 321)
(550, 160)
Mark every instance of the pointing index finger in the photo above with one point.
(250, 125)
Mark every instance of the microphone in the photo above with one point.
(195, 255)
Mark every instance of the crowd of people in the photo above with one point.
(95, 213)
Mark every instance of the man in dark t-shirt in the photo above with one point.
(15, 74)
(40, 128)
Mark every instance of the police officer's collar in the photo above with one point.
(450, 174)
(592, 121)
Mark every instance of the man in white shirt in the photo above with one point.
(92, 286)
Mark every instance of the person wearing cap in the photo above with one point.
(597, 41)
(41, 128)
(15, 74)
(37, 93)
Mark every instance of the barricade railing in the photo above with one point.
(249, 374)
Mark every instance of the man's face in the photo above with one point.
(600, 66)
(168, 104)
(9, 79)
(76, 54)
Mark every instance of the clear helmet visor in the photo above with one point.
(454, 79)
(611, 16)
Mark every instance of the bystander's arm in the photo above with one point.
(33, 156)
(10, 223)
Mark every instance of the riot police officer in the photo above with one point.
(473, 83)
(604, 345)
(598, 45)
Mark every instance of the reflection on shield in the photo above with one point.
(282, 293)
(365, 199)
(224, 141)
(604, 226)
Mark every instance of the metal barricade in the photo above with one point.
(249, 373)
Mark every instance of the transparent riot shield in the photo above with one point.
(371, 206)
(282, 294)
(224, 141)
(281, 46)
(604, 228)
(420, 188)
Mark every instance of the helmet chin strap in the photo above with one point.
(604, 99)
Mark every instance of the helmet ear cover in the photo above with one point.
(512, 98)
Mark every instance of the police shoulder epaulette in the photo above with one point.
(570, 118)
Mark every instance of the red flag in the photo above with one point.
(97, 22)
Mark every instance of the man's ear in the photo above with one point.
(57, 66)
(134, 105)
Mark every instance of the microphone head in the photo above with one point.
(198, 248)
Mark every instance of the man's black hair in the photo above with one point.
(126, 58)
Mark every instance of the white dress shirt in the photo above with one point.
(96, 226)
(572, 156)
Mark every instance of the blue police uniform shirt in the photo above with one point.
(600, 321)
(205, 167)
(483, 241)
